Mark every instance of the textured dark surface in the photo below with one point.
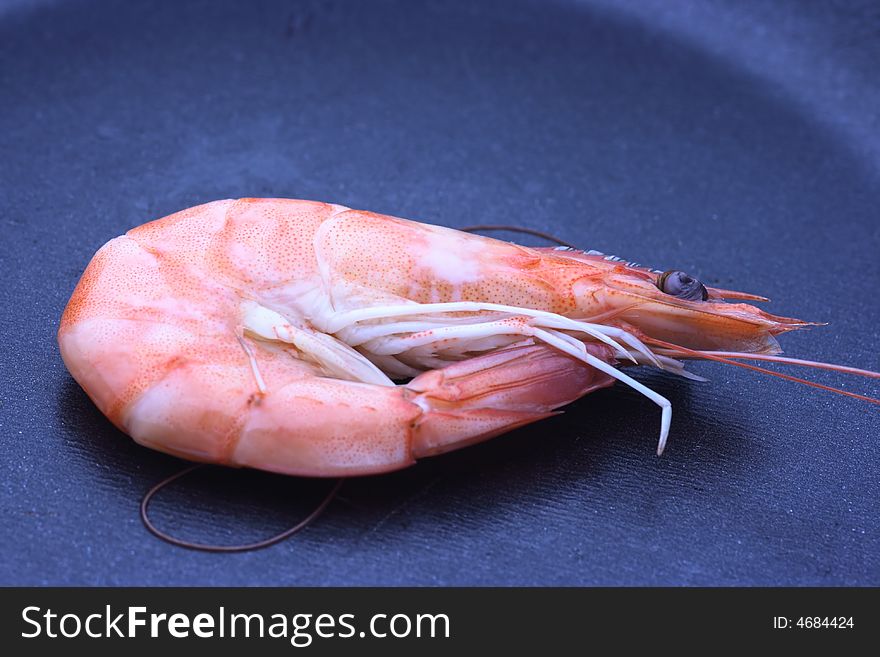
(732, 140)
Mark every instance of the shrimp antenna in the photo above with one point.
(246, 547)
(518, 229)
(818, 365)
(728, 358)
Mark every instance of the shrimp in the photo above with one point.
(311, 339)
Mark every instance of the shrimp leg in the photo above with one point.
(477, 399)
(336, 357)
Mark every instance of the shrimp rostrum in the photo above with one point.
(311, 339)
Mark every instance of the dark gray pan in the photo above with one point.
(736, 141)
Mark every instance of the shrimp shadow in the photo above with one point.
(599, 442)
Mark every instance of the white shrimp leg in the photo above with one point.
(255, 368)
(342, 320)
(520, 326)
(672, 366)
(393, 366)
(552, 338)
(358, 334)
(394, 345)
(335, 356)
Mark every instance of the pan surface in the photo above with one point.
(735, 141)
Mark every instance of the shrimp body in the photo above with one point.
(269, 333)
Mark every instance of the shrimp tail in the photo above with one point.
(479, 398)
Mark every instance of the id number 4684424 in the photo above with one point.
(813, 622)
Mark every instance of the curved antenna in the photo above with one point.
(245, 547)
(518, 229)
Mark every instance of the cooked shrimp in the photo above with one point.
(269, 333)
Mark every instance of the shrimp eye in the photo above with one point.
(678, 284)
